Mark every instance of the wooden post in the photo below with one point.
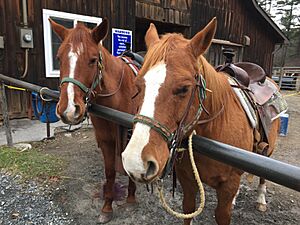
(5, 115)
(280, 77)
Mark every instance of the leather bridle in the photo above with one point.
(89, 92)
(96, 81)
(174, 138)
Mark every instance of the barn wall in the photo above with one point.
(166, 11)
(121, 14)
(235, 19)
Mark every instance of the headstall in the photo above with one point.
(174, 138)
(96, 81)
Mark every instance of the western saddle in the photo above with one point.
(250, 76)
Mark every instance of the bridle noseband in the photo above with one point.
(96, 80)
(174, 138)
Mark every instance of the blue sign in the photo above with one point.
(119, 38)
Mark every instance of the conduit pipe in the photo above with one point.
(25, 23)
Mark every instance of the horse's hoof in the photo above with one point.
(261, 207)
(105, 217)
(128, 206)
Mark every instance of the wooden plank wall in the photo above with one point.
(11, 57)
(120, 13)
(166, 11)
(235, 19)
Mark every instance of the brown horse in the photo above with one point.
(168, 86)
(88, 72)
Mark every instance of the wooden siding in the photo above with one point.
(236, 18)
(120, 13)
(166, 11)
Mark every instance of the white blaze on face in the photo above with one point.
(132, 156)
(73, 57)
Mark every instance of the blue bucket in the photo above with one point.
(284, 122)
(44, 111)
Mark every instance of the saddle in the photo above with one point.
(252, 77)
(137, 59)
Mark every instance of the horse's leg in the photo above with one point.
(130, 203)
(110, 174)
(189, 200)
(190, 190)
(225, 193)
(262, 188)
(235, 197)
(131, 192)
(261, 198)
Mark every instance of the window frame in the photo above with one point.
(48, 54)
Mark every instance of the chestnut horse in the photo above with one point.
(168, 86)
(88, 72)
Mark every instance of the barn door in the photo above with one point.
(12, 57)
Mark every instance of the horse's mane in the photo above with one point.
(159, 51)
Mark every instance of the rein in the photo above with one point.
(174, 138)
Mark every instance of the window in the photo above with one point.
(52, 41)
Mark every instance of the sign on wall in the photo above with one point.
(119, 38)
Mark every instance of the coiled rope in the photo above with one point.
(199, 183)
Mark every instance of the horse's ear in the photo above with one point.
(151, 35)
(202, 40)
(60, 30)
(100, 32)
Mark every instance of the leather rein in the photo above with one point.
(174, 138)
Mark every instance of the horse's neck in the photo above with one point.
(219, 89)
(117, 83)
(111, 64)
(113, 69)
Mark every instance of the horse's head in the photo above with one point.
(168, 94)
(79, 57)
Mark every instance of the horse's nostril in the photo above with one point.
(77, 111)
(152, 168)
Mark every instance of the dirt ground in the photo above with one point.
(80, 191)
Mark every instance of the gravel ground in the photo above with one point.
(28, 203)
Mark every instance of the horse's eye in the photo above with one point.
(57, 58)
(93, 61)
(181, 91)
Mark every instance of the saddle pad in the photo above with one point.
(244, 102)
(131, 64)
(277, 106)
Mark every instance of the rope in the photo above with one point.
(15, 88)
(293, 94)
(199, 183)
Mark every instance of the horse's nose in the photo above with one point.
(72, 115)
(142, 169)
(77, 112)
(151, 170)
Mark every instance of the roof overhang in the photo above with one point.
(270, 21)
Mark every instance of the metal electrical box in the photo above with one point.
(1, 42)
(26, 38)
